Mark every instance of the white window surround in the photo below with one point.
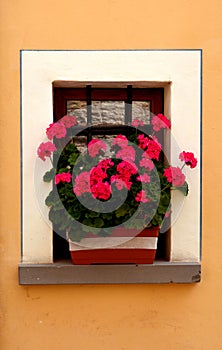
(178, 71)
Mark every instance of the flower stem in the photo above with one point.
(168, 185)
(183, 166)
(50, 157)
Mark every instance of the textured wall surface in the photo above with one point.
(121, 317)
(108, 112)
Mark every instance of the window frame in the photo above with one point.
(179, 73)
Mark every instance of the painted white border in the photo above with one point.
(39, 69)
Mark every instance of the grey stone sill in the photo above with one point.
(64, 272)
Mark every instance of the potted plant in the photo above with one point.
(111, 199)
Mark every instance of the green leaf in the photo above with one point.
(98, 222)
(72, 158)
(184, 189)
(122, 210)
(51, 199)
(49, 175)
(56, 215)
(87, 222)
(71, 147)
(162, 209)
(92, 214)
(157, 220)
(76, 235)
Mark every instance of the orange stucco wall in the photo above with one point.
(121, 317)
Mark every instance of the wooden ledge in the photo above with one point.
(63, 272)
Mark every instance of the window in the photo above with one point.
(107, 111)
(178, 74)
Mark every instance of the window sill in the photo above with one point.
(64, 272)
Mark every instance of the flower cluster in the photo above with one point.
(56, 130)
(151, 146)
(45, 149)
(159, 121)
(188, 158)
(137, 164)
(63, 177)
(175, 176)
(82, 183)
(95, 146)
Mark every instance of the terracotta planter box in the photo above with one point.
(121, 248)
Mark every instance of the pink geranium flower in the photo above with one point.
(45, 149)
(146, 162)
(101, 190)
(121, 182)
(159, 121)
(57, 130)
(95, 146)
(137, 122)
(105, 164)
(120, 140)
(143, 178)
(97, 174)
(153, 149)
(126, 169)
(127, 153)
(143, 141)
(63, 177)
(68, 121)
(82, 183)
(188, 158)
(175, 176)
(141, 197)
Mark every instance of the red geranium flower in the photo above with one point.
(188, 158)
(143, 141)
(97, 174)
(63, 177)
(45, 149)
(95, 146)
(126, 168)
(105, 164)
(175, 176)
(68, 120)
(159, 121)
(102, 190)
(121, 182)
(146, 162)
(82, 183)
(137, 122)
(126, 153)
(120, 140)
(153, 149)
(57, 130)
(141, 197)
(143, 178)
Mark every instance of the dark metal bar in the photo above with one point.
(128, 105)
(89, 104)
(89, 110)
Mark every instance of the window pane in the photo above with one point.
(141, 111)
(78, 109)
(108, 112)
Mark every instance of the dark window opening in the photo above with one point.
(102, 112)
